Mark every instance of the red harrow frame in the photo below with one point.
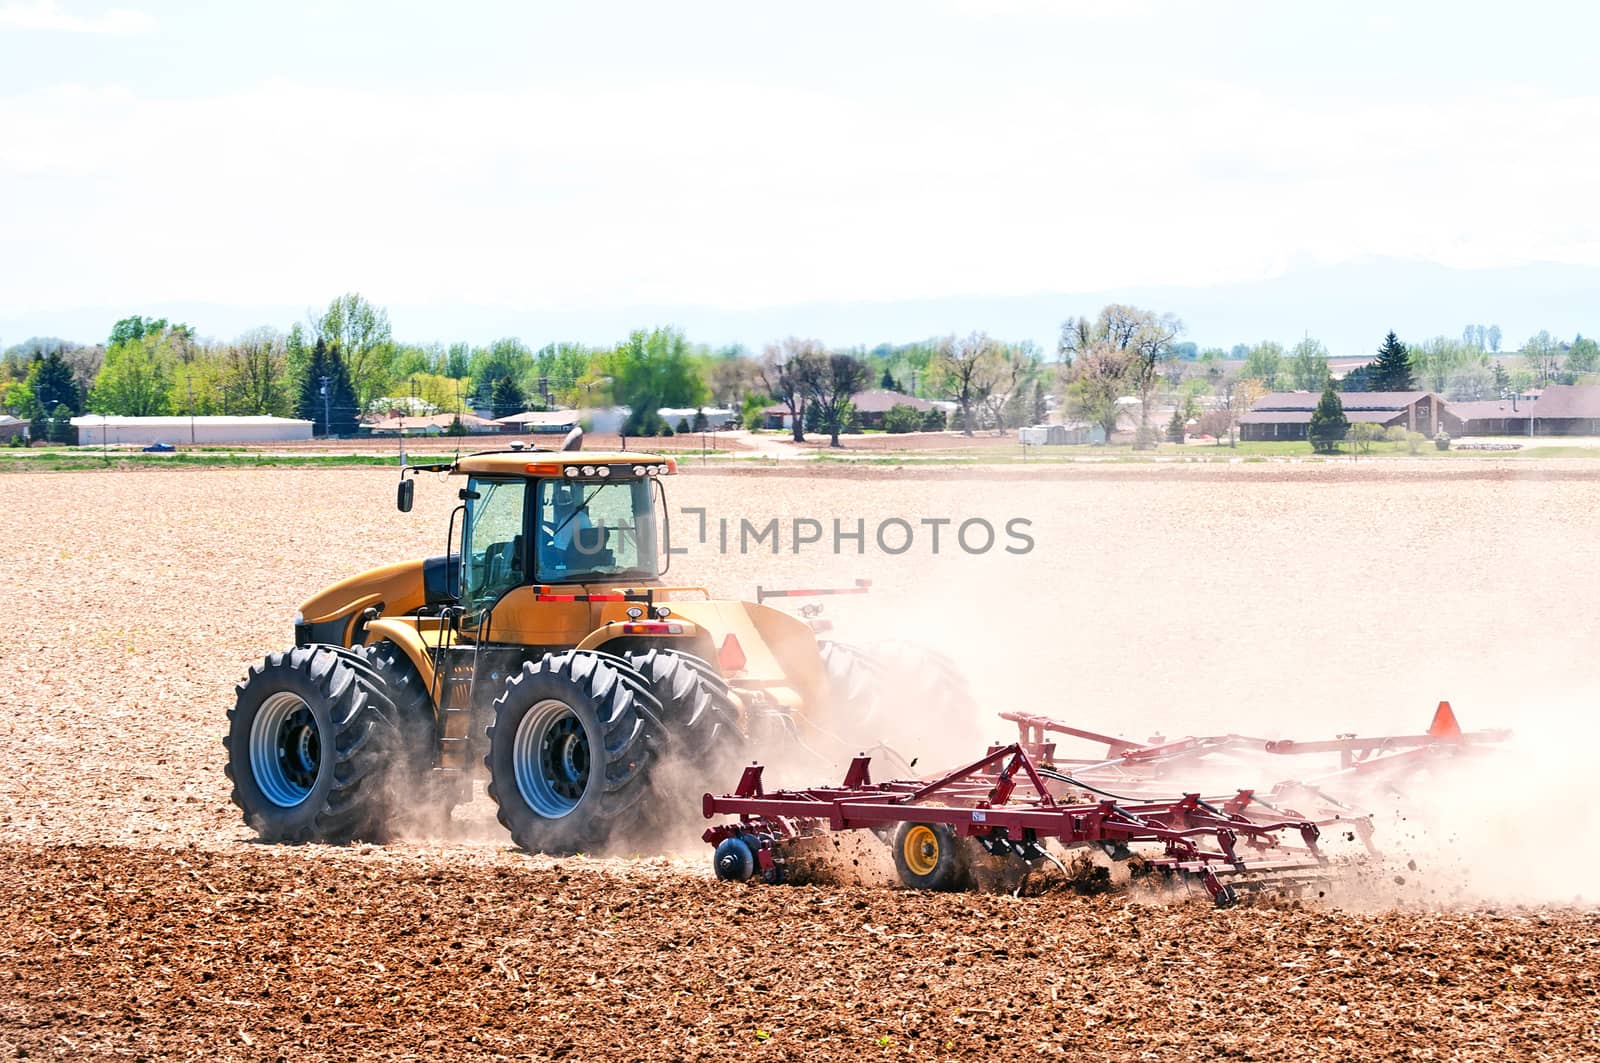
(1019, 796)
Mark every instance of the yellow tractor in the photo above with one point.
(546, 646)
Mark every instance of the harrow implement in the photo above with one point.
(1007, 804)
(1022, 795)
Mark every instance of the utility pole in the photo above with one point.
(327, 426)
(191, 411)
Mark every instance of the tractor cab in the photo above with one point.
(557, 522)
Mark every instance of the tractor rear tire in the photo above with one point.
(308, 739)
(699, 717)
(570, 751)
(930, 856)
(905, 695)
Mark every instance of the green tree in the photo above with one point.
(1328, 423)
(136, 379)
(1542, 356)
(1264, 362)
(901, 419)
(359, 333)
(886, 382)
(650, 370)
(1583, 357)
(1436, 360)
(1175, 427)
(1392, 370)
(1308, 365)
(933, 420)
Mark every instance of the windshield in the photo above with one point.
(595, 530)
(493, 559)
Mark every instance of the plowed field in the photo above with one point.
(144, 922)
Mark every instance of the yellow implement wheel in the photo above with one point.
(929, 856)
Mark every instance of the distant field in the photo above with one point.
(938, 448)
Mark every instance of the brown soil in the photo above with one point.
(144, 922)
(327, 954)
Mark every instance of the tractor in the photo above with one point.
(546, 646)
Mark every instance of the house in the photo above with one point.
(1567, 410)
(12, 427)
(871, 406)
(1286, 415)
(540, 422)
(429, 426)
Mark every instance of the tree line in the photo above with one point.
(1111, 370)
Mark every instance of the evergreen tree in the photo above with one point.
(1175, 427)
(1041, 412)
(1328, 422)
(887, 383)
(1502, 380)
(335, 412)
(52, 384)
(506, 397)
(342, 405)
(61, 430)
(309, 406)
(1392, 369)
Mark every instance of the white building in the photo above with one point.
(96, 429)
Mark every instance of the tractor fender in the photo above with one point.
(409, 642)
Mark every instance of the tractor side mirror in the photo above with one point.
(403, 495)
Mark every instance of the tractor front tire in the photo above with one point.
(308, 738)
(569, 751)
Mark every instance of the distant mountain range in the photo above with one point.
(1348, 307)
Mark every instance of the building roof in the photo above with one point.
(1485, 409)
(7, 419)
(1568, 400)
(543, 417)
(1304, 416)
(95, 420)
(879, 400)
(1352, 400)
(438, 420)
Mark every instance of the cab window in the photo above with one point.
(493, 559)
(595, 531)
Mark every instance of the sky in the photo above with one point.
(753, 170)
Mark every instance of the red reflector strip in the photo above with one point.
(558, 597)
(608, 597)
(652, 627)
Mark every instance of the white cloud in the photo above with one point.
(47, 15)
